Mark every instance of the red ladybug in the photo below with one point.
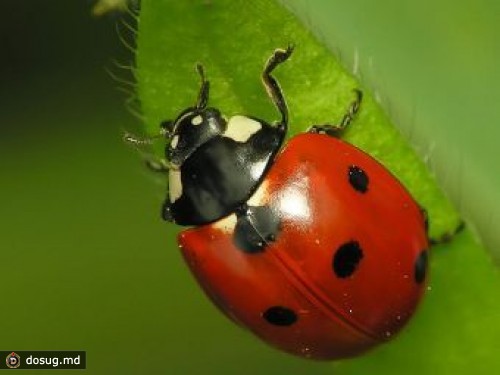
(313, 245)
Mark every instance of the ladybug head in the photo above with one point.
(193, 127)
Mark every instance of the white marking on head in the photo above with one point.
(197, 120)
(241, 128)
(174, 141)
(174, 185)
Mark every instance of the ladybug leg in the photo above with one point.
(166, 211)
(272, 87)
(202, 101)
(447, 237)
(158, 165)
(256, 226)
(152, 162)
(336, 130)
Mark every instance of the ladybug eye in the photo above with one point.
(167, 125)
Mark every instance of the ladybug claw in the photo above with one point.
(330, 130)
(448, 237)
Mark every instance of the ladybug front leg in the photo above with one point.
(272, 87)
(202, 101)
(336, 130)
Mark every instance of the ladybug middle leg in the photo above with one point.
(256, 226)
(336, 130)
(273, 88)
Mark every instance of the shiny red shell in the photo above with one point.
(320, 211)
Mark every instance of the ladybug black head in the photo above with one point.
(193, 127)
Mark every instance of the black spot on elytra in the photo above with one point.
(280, 316)
(421, 267)
(346, 259)
(358, 179)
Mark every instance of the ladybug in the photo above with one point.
(311, 244)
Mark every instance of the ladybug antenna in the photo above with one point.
(153, 163)
(202, 101)
(136, 141)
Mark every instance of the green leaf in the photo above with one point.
(233, 39)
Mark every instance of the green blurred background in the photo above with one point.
(88, 264)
